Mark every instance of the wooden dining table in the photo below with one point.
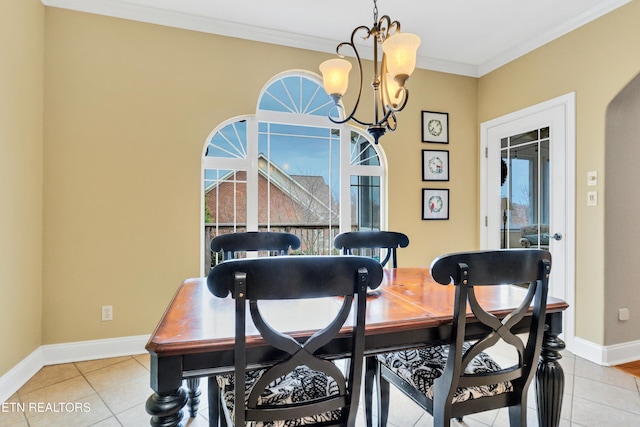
(195, 336)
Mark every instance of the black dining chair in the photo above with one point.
(277, 243)
(352, 241)
(232, 245)
(460, 378)
(300, 388)
(372, 243)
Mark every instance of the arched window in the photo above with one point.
(289, 168)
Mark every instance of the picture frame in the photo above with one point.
(435, 165)
(435, 204)
(435, 127)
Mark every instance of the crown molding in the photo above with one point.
(152, 15)
(551, 34)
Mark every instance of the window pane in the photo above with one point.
(365, 202)
(229, 142)
(365, 208)
(296, 94)
(226, 197)
(544, 133)
(299, 183)
(225, 204)
(523, 138)
(362, 151)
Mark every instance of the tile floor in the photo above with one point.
(112, 392)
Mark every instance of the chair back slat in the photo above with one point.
(389, 240)
(281, 277)
(491, 267)
(232, 243)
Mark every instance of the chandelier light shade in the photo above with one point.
(398, 62)
(401, 51)
(335, 77)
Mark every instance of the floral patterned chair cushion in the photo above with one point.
(420, 368)
(297, 386)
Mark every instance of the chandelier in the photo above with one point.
(389, 75)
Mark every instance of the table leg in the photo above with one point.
(193, 385)
(549, 375)
(166, 403)
(166, 409)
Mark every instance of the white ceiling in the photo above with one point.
(467, 37)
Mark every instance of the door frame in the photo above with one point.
(568, 105)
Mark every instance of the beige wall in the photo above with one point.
(128, 108)
(622, 151)
(596, 61)
(457, 96)
(21, 81)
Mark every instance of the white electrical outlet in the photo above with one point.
(107, 312)
(592, 198)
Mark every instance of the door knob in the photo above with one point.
(557, 236)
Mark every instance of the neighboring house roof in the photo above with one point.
(316, 185)
(311, 194)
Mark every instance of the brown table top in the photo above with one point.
(196, 321)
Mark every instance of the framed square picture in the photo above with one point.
(435, 165)
(435, 127)
(435, 203)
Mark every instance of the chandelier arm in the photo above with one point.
(393, 123)
(352, 117)
(381, 123)
(351, 44)
(403, 101)
(384, 121)
(360, 122)
(346, 119)
(389, 29)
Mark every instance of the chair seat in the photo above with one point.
(420, 368)
(302, 384)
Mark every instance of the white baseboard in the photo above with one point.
(94, 349)
(587, 350)
(17, 376)
(53, 354)
(606, 355)
(622, 353)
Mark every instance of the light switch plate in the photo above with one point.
(623, 314)
(592, 198)
(592, 178)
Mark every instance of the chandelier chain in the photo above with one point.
(375, 10)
